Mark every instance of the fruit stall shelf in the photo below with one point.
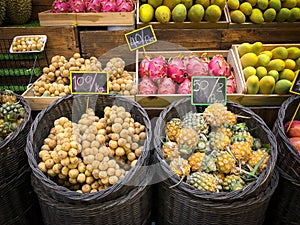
(19, 69)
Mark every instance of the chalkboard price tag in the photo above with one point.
(295, 88)
(207, 90)
(140, 37)
(83, 82)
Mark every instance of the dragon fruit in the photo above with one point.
(124, 5)
(147, 86)
(144, 67)
(166, 86)
(185, 87)
(175, 69)
(195, 67)
(230, 85)
(157, 68)
(77, 6)
(218, 66)
(108, 6)
(59, 6)
(93, 6)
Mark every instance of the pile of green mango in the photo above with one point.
(269, 70)
(165, 11)
(260, 11)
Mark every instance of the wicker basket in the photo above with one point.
(18, 202)
(73, 106)
(175, 207)
(284, 206)
(288, 159)
(12, 149)
(133, 208)
(258, 129)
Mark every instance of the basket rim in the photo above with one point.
(26, 120)
(73, 195)
(248, 189)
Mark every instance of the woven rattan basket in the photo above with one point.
(73, 106)
(175, 207)
(258, 129)
(12, 149)
(133, 208)
(288, 158)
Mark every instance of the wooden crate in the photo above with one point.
(260, 99)
(222, 24)
(163, 100)
(122, 19)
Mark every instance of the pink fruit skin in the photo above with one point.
(147, 86)
(230, 85)
(93, 6)
(144, 67)
(60, 6)
(218, 66)
(185, 87)
(176, 70)
(77, 6)
(295, 141)
(166, 86)
(294, 130)
(108, 6)
(194, 66)
(124, 5)
(157, 68)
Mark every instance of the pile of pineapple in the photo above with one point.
(212, 151)
(11, 114)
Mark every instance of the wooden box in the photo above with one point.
(261, 99)
(222, 24)
(163, 100)
(47, 18)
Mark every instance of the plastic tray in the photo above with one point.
(16, 38)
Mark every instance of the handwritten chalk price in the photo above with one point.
(140, 37)
(88, 82)
(207, 90)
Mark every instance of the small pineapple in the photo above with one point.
(187, 140)
(195, 121)
(231, 118)
(172, 128)
(195, 160)
(209, 162)
(219, 140)
(233, 182)
(170, 150)
(204, 181)
(215, 114)
(241, 151)
(255, 158)
(225, 162)
(180, 167)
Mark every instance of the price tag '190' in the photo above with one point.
(207, 90)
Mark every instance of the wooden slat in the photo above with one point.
(60, 40)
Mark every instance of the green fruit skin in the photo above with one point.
(237, 16)
(269, 15)
(210, 16)
(163, 14)
(252, 84)
(282, 87)
(256, 16)
(266, 88)
(275, 4)
(179, 13)
(196, 13)
(283, 15)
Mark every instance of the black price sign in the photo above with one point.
(140, 37)
(295, 88)
(88, 82)
(207, 90)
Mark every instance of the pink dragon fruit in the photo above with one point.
(194, 66)
(147, 86)
(230, 85)
(93, 6)
(77, 6)
(59, 6)
(157, 68)
(144, 67)
(166, 86)
(176, 70)
(124, 5)
(108, 6)
(218, 66)
(185, 87)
